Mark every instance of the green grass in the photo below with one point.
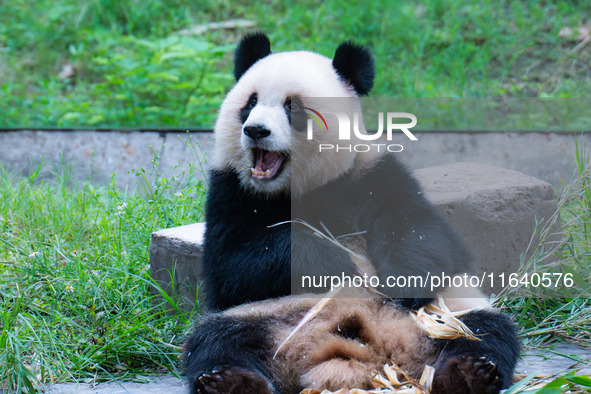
(75, 301)
(563, 245)
(135, 70)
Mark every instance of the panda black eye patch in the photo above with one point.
(292, 104)
(250, 104)
(295, 115)
(252, 101)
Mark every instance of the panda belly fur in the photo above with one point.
(342, 347)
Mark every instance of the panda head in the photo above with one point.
(254, 132)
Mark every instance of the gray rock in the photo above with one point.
(493, 209)
(175, 261)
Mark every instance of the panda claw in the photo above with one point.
(467, 374)
(232, 380)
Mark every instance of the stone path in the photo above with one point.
(552, 360)
(555, 359)
(159, 385)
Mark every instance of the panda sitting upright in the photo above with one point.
(264, 169)
(266, 172)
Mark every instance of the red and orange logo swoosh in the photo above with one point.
(317, 117)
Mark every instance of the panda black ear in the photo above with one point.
(251, 48)
(355, 65)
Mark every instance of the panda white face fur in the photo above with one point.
(254, 135)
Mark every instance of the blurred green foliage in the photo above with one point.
(134, 69)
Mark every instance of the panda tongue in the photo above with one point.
(267, 164)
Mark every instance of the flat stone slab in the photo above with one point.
(555, 359)
(562, 357)
(159, 384)
(175, 260)
(494, 210)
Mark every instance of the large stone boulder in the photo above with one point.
(495, 210)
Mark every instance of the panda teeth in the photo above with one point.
(264, 174)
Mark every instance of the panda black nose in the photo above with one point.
(257, 132)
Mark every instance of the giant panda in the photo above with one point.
(264, 170)
(238, 350)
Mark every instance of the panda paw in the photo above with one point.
(481, 375)
(467, 375)
(231, 380)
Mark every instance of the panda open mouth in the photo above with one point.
(267, 164)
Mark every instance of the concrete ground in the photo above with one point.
(553, 360)
(157, 385)
(556, 359)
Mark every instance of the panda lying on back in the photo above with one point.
(265, 170)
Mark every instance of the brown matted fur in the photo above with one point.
(345, 344)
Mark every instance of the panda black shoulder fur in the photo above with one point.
(262, 170)
(341, 347)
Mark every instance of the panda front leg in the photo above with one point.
(315, 257)
(415, 243)
(229, 355)
(478, 367)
